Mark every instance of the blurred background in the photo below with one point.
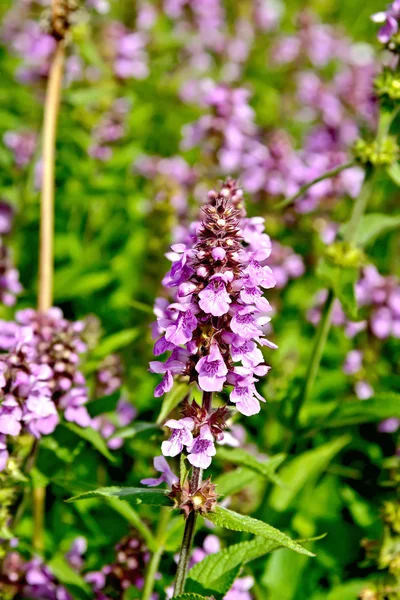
(161, 101)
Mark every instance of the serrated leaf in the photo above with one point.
(374, 225)
(219, 586)
(303, 470)
(209, 571)
(93, 437)
(190, 596)
(342, 281)
(171, 400)
(131, 431)
(134, 495)
(241, 457)
(231, 520)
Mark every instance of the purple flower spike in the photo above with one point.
(217, 320)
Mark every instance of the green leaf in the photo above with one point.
(104, 404)
(134, 495)
(130, 431)
(394, 173)
(219, 586)
(213, 567)
(231, 520)
(115, 342)
(68, 576)
(132, 517)
(373, 225)
(84, 285)
(304, 470)
(233, 482)
(241, 457)
(171, 400)
(342, 281)
(93, 437)
(383, 406)
(190, 596)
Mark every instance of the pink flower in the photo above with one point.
(181, 436)
(202, 449)
(212, 370)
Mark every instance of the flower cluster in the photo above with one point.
(9, 277)
(127, 571)
(110, 130)
(226, 131)
(29, 579)
(22, 144)
(353, 366)
(215, 323)
(109, 376)
(378, 300)
(389, 20)
(285, 264)
(25, 37)
(39, 374)
(107, 424)
(127, 50)
(173, 179)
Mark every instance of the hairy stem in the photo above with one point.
(307, 186)
(157, 554)
(190, 524)
(324, 325)
(184, 555)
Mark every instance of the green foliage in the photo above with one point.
(154, 497)
(231, 520)
(239, 456)
(341, 279)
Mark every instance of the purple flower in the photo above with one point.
(363, 390)
(184, 323)
(23, 146)
(181, 436)
(202, 449)
(167, 476)
(390, 425)
(214, 299)
(212, 370)
(246, 397)
(390, 20)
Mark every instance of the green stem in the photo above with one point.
(190, 524)
(307, 186)
(324, 325)
(156, 557)
(359, 207)
(313, 366)
(184, 555)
